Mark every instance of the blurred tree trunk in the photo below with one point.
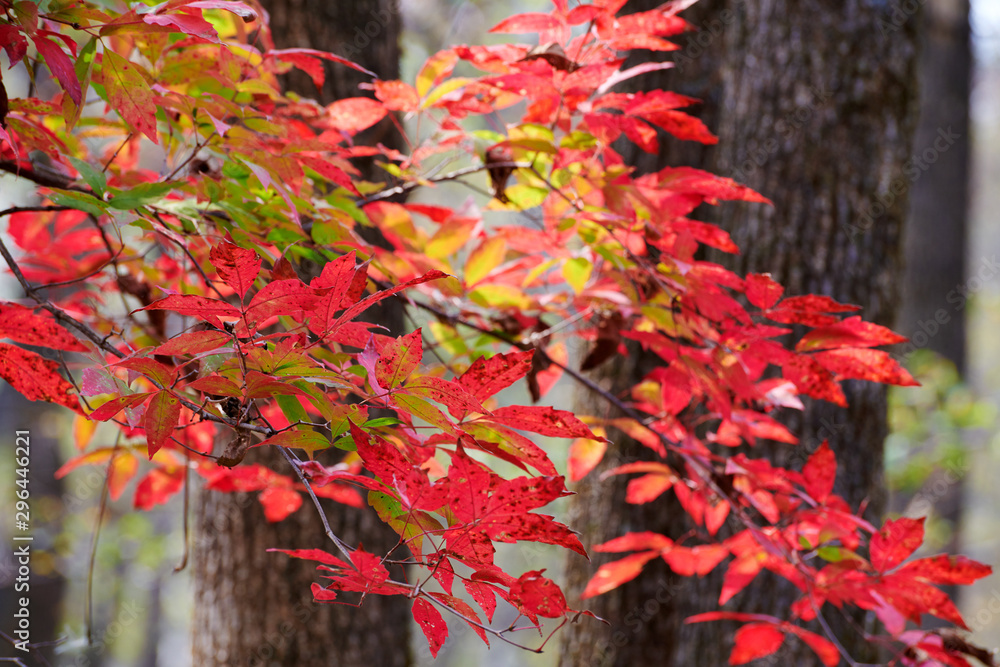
(815, 106)
(253, 607)
(937, 230)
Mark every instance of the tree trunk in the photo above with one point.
(253, 607)
(814, 104)
(936, 229)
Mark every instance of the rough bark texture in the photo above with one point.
(814, 102)
(253, 607)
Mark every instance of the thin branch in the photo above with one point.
(450, 176)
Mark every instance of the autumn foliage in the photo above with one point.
(184, 197)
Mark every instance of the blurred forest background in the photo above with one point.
(943, 455)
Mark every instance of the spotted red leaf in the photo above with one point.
(194, 342)
(851, 332)
(539, 595)
(946, 570)
(431, 624)
(485, 377)
(35, 378)
(281, 297)
(544, 420)
(761, 291)
(819, 473)
(238, 267)
(192, 305)
(162, 413)
(399, 357)
(129, 93)
(896, 542)
(865, 364)
(24, 325)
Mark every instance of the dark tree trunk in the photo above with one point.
(815, 106)
(932, 314)
(936, 229)
(253, 607)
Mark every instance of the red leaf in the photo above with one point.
(279, 502)
(368, 302)
(354, 114)
(852, 332)
(740, 573)
(195, 342)
(280, 297)
(308, 440)
(162, 413)
(647, 488)
(238, 267)
(25, 326)
(612, 575)
(191, 305)
(485, 377)
(699, 560)
(450, 394)
(398, 359)
(529, 23)
(823, 647)
(897, 540)
(635, 542)
(116, 405)
(864, 364)
(313, 554)
(217, 385)
(187, 23)
(129, 94)
(584, 455)
(819, 472)
(61, 66)
(761, 291)
(809, 310)
(755, 640)
(397, 96)
(946, 570)
(295, 57)
(431, 623)
(813, 379)
(538, 595)
(158, 487)
(151, 368)
(35, 378)
(544, 420)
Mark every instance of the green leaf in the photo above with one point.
(577, 272)
(79, 201)
(95, 178)
(292, 409)
(140, 195)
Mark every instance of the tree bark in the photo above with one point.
(253, 607)
(815, 106)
